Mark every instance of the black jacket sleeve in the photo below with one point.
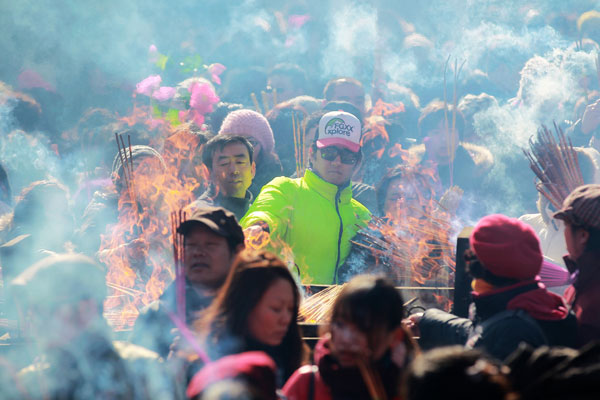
(439, 328)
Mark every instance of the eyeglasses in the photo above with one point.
(346, 156)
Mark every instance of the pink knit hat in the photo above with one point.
(250, 124)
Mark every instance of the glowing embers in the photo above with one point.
(315, 309)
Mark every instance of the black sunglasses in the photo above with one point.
(346, 156)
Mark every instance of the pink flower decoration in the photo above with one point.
(296, 21)
(192, 115)
(148, 85)
(202, 98)
(215, 70)
(164, 93)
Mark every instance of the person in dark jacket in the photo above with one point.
(511, 305)
(581, 214)
(76, 358)
(212, 239)
(229, 159)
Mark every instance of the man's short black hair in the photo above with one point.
(219, 142)
(335, 82)
(292, 71)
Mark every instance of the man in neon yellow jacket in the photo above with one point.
(316, 215)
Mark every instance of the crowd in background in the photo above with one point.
(187, 195)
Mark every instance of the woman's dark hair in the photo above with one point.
(372, 304)
(224, 326)
(478, 271)
(593, 242)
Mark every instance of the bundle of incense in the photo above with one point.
(255, 102)
(372, 380)
(300, 148)
(555, 164)
(127, 163)
(451, 129)
(265, 101)
(177, 218)
(316, 307)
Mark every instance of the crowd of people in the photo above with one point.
(164, 248)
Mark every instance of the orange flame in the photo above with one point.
(138, 250)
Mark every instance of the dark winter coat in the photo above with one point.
(234, 204)
(266, 170)
(153, 327)
(524, 312)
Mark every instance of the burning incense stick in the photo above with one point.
(316, 307)
(255, 102)
(177, 218)
(127, 177)
(555, 164)
(274, 97)
(300, 148)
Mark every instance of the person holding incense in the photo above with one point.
(511, 305)
(315, 215)
(256, 310)
(455, 162)
(62, 296)
(212, 238)
(257, 130)
(581, 216)
(230, 161)
(364, 348)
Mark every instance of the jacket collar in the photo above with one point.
(326, 189)
(212, 194)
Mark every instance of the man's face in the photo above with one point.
(441, 143)
(207, 258)
(327, 163)
(404, 197)
(353, 94)
(284, 86)
(232, 172)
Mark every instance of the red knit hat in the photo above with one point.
(255, 367)
(250, 124)
(507, 247)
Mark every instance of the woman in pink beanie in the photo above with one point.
(511, 304)
(256, 129)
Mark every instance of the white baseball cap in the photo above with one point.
(339, 128)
